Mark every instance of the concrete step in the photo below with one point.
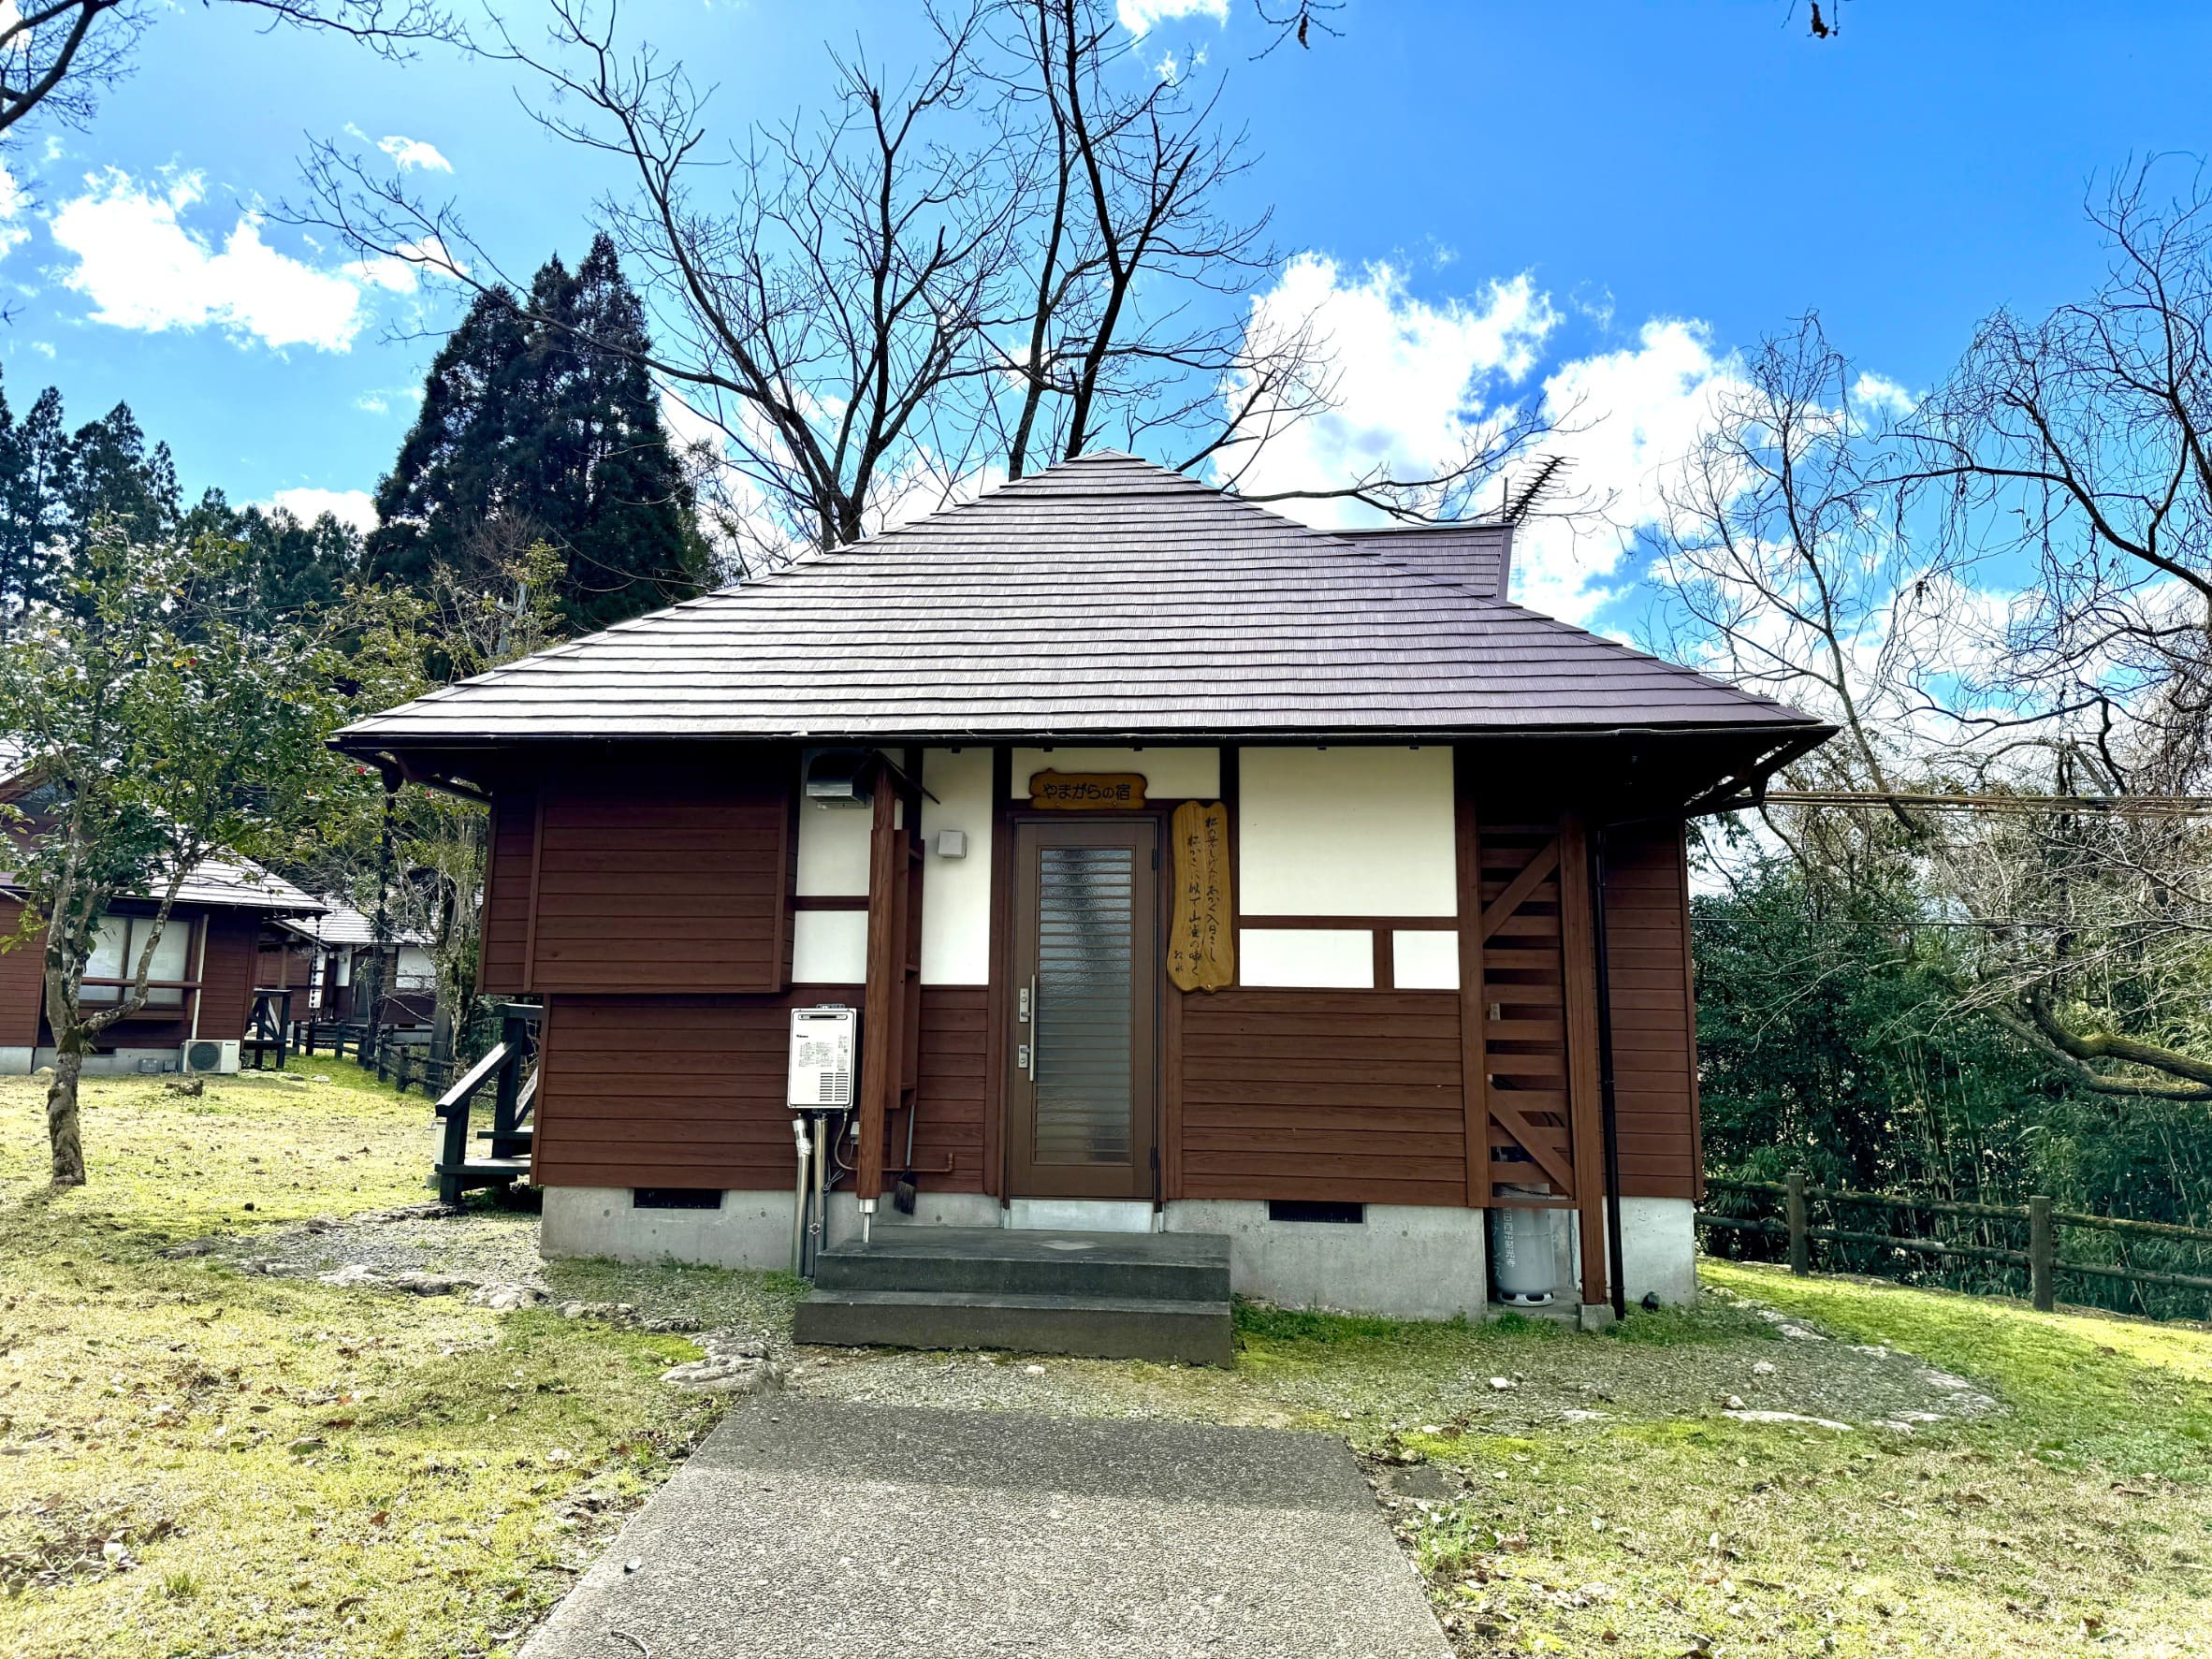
(1004, 1262)
(1191, 1333)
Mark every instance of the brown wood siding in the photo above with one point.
(1346, 1096)
(1647, 921)
(688, 1091)
(22, 981)
(503, 954)
(948, 1093)
(227, 975)
(663, 878)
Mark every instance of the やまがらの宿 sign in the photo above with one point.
(1086, 791)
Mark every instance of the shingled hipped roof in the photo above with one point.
(1104, 597)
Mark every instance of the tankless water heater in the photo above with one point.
(824, 1054)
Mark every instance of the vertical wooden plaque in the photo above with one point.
(1201, 955)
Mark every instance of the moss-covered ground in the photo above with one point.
(196, 1459)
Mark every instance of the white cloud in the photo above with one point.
(402, 273)
(1138, 16)
(371, 403)
(1631, 417)
(1414, 379)
(1877, 391)
(413, 153)
(307, 504)
(143, 268)
(1411, 379)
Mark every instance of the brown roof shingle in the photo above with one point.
(1104, 597)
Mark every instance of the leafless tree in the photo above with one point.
(2006, 587)
(1008, 257)
(60, 56)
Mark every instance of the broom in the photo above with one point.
(902, 1195)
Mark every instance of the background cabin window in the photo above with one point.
(115, 958)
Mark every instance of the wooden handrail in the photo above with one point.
(473, 1079)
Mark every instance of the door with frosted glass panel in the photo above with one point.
(1085, 1004)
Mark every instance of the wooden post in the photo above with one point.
(506, 1099)
(880, 1037)
(2042, 1254)
(1800, 1246)
(1577, 953)
(1474, 1002)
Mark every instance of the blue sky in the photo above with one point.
(1610, 196)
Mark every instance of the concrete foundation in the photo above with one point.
(1082, 1215)
(17, 1061)
(1411, 1260)
(751, 1230)
(1658, 1250)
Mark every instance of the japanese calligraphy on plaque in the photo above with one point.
(1201, 955)
(1086, 791)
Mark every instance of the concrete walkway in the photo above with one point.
(809, 1529)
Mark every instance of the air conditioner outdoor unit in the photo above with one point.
(204, 1055)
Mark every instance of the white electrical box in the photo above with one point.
(824, 1054)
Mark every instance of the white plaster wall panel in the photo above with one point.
(829, 948)
(1170, 774)
(1346, 832)
(834, 851)
(957, 891)
(1312, 958)
(1425, 958)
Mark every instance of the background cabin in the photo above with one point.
(339, 949)
(204, 986)
(1194, 872)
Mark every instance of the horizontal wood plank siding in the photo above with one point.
(22, 981)
(1654, 1048)
(688, 1090)
(505, 953)
(949, 1091)
(1347, 1096)
(668, 879)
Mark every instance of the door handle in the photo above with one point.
(1028, 1053)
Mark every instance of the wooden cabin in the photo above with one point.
(204, 988)
(340, 950)
(1195, 872)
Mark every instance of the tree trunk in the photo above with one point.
(61, 1116)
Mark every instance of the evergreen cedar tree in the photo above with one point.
(528, 434)
(57, 485)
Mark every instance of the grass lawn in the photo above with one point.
(2076, 1521)
(204, 1462)
(201, 1462)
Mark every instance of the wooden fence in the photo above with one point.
(2041, 1258)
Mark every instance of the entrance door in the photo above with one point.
(1080, 1117)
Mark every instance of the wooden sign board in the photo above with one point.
(1086, 791)
(1201, 949)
